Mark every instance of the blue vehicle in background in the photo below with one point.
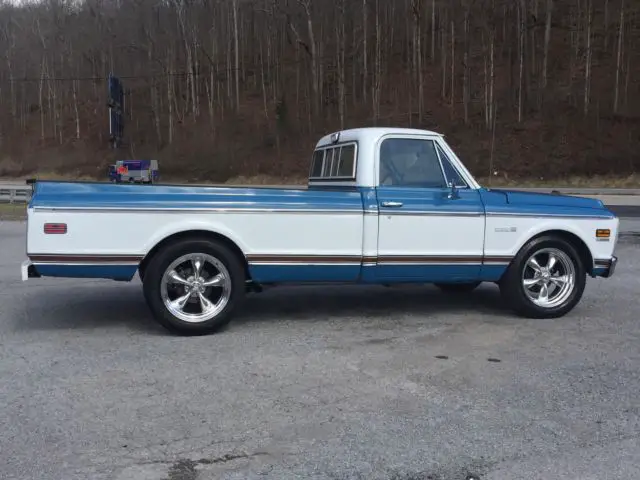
(134, 171)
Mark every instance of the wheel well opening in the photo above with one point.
(193, 234)
(583, 251)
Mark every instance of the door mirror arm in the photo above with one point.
(453, 191)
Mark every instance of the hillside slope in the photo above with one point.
(215, 89)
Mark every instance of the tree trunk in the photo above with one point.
(521, 33)
(433, 31)
(547, 39)
(616, 90)
(236, 53)
(587, 69)
(74, 87)
(417, 56)
(365, 73)
(465, 82)
(453, 66)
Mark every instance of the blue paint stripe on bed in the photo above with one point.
(104, 195)
(112, 272)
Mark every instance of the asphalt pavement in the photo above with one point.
(320, 383)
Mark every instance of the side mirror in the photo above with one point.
(453, 191)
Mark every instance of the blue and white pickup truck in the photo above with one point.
(382, 206)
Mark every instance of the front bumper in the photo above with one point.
(606, 268)
(28, 270)
(612, 267)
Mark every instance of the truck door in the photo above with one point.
(427, 231)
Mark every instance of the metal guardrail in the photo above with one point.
(20, 194)
(15, 193)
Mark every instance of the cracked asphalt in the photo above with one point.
(319, 383)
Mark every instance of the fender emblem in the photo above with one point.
(506, 229)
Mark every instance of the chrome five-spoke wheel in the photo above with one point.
(548, 277)
(196, 287)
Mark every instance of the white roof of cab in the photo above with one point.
(372, 134)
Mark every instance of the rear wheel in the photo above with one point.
(193, 286)
(458, 287)
(545, 280)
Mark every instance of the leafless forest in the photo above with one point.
(219, 88)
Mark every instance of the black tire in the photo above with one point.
(141, 273)
(158, 265)
(512, 285)
(458, 287)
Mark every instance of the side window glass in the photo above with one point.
(451, 173)
(316, 165)
(347, 161)
(408, 162)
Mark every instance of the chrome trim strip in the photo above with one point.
(602, 262)
(303, 264)
(425, 264)
(310, 211)
(87, 258)
(83, 264)
(428, 213)
(546, 215)
(375, 261)
(372, 264)
(198, 210)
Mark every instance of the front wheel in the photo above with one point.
(545, 280)
(193, 286)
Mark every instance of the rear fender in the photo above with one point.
(193, 225)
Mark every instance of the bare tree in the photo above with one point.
(616, 90)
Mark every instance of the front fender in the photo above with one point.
(547, 226)
(507, 236)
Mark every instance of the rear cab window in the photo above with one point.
(334, 162)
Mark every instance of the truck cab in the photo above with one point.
(420, 203)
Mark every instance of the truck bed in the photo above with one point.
(112, 227)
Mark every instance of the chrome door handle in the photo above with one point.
(391, 204)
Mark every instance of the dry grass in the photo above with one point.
(12, 211)
(44, 175)
(266, 180)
